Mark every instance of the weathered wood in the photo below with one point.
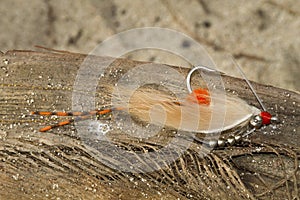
(56, 164)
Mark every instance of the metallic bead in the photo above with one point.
(221, 143)
(274, 120)
(256, 121)
(238, 138)
(212, 143)
(231, 140)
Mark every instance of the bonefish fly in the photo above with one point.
(192, 113)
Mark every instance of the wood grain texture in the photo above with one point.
(57, 165)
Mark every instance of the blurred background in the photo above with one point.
(263, 36)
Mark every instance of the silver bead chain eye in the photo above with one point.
(256, 121)
(231, 140)
(274, 119)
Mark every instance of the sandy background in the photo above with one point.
(262, 35)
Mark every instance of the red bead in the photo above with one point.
(266, 117)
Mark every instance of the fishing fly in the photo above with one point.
(149, 105)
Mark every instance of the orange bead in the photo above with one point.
(200, 96)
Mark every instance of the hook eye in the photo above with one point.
(188, 77)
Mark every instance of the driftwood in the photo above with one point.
(56, 165)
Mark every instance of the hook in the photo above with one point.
(188, 77)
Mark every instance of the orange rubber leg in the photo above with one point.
(79, 116)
